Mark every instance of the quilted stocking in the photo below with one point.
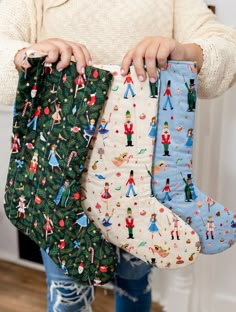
(55, 119)
(173, 182)
(118, 180)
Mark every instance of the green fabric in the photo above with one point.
(43, 193)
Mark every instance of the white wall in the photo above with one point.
(225, 11)
(8, 234)
(8, 242)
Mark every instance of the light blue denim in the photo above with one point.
(131, 287)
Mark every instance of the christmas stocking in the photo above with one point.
(173, 182)
(117, 180)
(53, 125)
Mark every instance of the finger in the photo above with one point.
(138, 62)
(177, 51)
(50, 49)
(82, 57)
(162, 56)
(87, 55)
(151, 61)
(166, 48)
(65, 52)
(126, 62)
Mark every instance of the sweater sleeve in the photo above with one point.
(18, 29)
(195, 23)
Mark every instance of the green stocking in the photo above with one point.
(54, 121)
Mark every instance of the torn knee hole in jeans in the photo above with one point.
(70, 293)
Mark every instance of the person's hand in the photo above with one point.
(156, 51)
(58, 49)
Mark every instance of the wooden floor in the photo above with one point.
(24, 290)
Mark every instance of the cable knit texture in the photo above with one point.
(110, 28)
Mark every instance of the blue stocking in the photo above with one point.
(173, 182)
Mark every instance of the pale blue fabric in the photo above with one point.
(172, 163)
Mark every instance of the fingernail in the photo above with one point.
(82, 70)
(90, 63)
(59, 69)
(141, 78)
(152, 80)
(122, 71)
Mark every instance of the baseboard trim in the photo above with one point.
(17, 260)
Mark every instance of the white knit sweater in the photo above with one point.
(110, 27)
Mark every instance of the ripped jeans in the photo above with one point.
(131, 286)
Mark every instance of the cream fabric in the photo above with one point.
(117, 181)
(110, 28)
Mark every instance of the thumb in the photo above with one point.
(19, 58)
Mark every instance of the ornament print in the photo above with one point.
(55, 118)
